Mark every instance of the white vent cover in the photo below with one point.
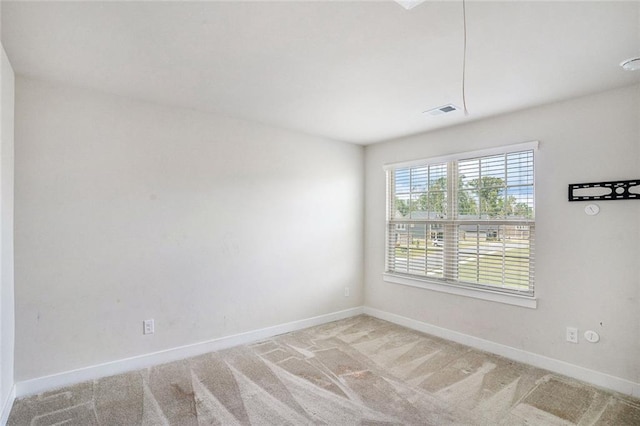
(444, 109)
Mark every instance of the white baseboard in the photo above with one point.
(6, 407)
(46, 383)
(42, 384)
(584, 374)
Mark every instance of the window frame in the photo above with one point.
(480, 291)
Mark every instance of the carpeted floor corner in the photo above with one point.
(358, 371)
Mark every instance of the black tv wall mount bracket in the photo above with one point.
(603, 191)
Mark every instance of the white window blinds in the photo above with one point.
(466, 220)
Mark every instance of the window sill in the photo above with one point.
(509, 299)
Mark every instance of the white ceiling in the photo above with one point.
(359, 71)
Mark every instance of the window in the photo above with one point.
(465, 221)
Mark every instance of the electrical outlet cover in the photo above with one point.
(591, 336)
(148, 327)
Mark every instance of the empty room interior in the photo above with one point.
(320, 212)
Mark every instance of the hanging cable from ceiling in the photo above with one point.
(464, 57)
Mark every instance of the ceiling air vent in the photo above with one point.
(444, 109)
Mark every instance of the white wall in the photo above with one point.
(210, 225)
(586, 267)
(6, 230)
(215, 226)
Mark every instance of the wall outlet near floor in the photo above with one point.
(148, 327)
(591, 336)
(346, 292)
(572, 334)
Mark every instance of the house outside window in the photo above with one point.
(466, 220)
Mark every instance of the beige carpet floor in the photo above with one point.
(358, 371)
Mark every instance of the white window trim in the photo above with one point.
(463, 155)
(460, 289)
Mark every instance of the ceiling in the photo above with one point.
(359, 71)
